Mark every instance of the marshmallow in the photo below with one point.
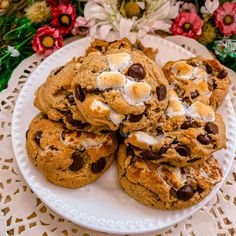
(110, 79)
(118, 61)
(145, 138)
(99, 106)
(201, 111)
(175, 107)
(135, 93)
(182, 70)
(116, 118)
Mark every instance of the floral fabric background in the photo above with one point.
(41, 26)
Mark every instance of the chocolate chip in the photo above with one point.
(148, 155)
(208, 69)
(161, 92)
(182, 150)
(214, 85)
(173, 192)
(136, 71)
(37, 137)
(222, 74)
(193, 160)
(99, 165)
(76, 123)
(192, 63)
(26, 134)
(135, 118)
(211, 128)
(93, 90)
(185, 193)
(53, 148)
(204, 139)
(79, 93)
(99, 48)
(70, 98)
(78, 161)
(194, 94)
(187, 124)
(164, 149)
(199, 189)
(129, 151)
(64, 133)
(121, 46)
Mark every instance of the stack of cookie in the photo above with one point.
(115, 101)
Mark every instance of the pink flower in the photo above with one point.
(54, 3)
(188, 7)
(81, 27)
(187, 24)
(225, 18)
(46, 40)
(63, 18)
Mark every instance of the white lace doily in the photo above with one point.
(24, 214)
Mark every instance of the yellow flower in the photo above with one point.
(38, 12)
(130, 9)
(208, 34)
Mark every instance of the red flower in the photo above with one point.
(54, 3)
(63, 18)
(81, 27)
(187, 24)
(225, 18)
(46, 40)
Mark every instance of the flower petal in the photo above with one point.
(93, 10)
(125, 27)
(104, 31)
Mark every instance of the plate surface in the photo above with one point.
(103, 206)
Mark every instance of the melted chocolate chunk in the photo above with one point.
(161, 92)
(211, 128)
(53, 148)
(99, 48)
(194, 94)
(148, 155)
(208, 69)
(78, 161)
(204, 139)
(200, 190)
(182, 150)
(185, 193)
(79, 93)
(136, 71)
(164, 149)
(135, 118)
(222, 74)
(38, 136)
(193, 160)
(70, 98)
(187, 124)
(129, 151)
(93, 90)
(99, 165)
(76, 123)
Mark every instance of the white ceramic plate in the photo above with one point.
(103, 206)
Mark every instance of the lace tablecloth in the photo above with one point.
(22, 213)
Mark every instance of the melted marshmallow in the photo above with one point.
(175, 107)
(145, 138)
(118, 61)
(110, 79)
(100, 107)
(201, 111)
(135, 93)
(182, 70)
(88, 142)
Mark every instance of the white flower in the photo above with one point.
(14, 52)
(210, 7)
(105, 16)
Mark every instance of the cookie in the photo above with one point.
(163, 186)
(102, 46)
(121, 88)
(55, 98)
(198, 79)
(69, 158)
(182, 136)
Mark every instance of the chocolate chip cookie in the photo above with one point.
(180, 138)
(55, 97)
(121, 88)
(69, 158)
(198, 79)
(164, 186)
